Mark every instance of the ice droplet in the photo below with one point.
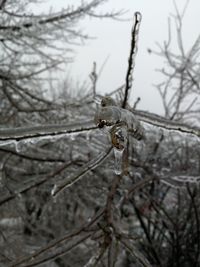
(88, 135)
(118, 160)
(54, 189)
(19, 195)
(92, 261)
(5, 143)
(19, 146)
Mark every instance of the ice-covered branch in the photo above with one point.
(57, 242)
(93, 261)
(107, 117)
(86, 168)
(110, 116)
(44, 130)
(162, 122)
(133, 51)
(84, 9)
(118, 122)
(179, 181)
(135, 253)
(38, 181)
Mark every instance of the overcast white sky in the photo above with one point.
(113, 41)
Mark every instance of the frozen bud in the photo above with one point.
(107, 101)
(107, 116)
(113, 115)
(118, 135)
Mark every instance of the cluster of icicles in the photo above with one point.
(118, 122)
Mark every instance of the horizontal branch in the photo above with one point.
(31, 157)
(22, 133)
(162, 122)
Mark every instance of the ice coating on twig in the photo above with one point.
(119, 142)
(54, 189)
(118, 122)
(118, 160)
(110, 115)
(72, 179)
(131, 60)
(42, 131)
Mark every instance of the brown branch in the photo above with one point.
(133, 51)
(2, 4)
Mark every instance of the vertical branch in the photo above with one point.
(178, 20)
(196, 213)
(133, 51)
(93, 77)
(2, 4)
(148, 236)
(110, 197)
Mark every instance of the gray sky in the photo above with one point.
(113, 41)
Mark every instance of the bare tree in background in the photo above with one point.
(180, 90)
(31, 46)
(64, 202)
(169, 214)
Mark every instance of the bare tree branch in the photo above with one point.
(133, 51)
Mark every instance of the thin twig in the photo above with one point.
(57, 242)
(86, 168)
(94, 77)
(133, 51)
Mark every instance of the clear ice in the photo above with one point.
(54, 189)
(118, 160)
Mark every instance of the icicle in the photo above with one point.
(118, 160)
(119, 142)
(91, 261)
(21, 146)
(54, 189)
(88, 135)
